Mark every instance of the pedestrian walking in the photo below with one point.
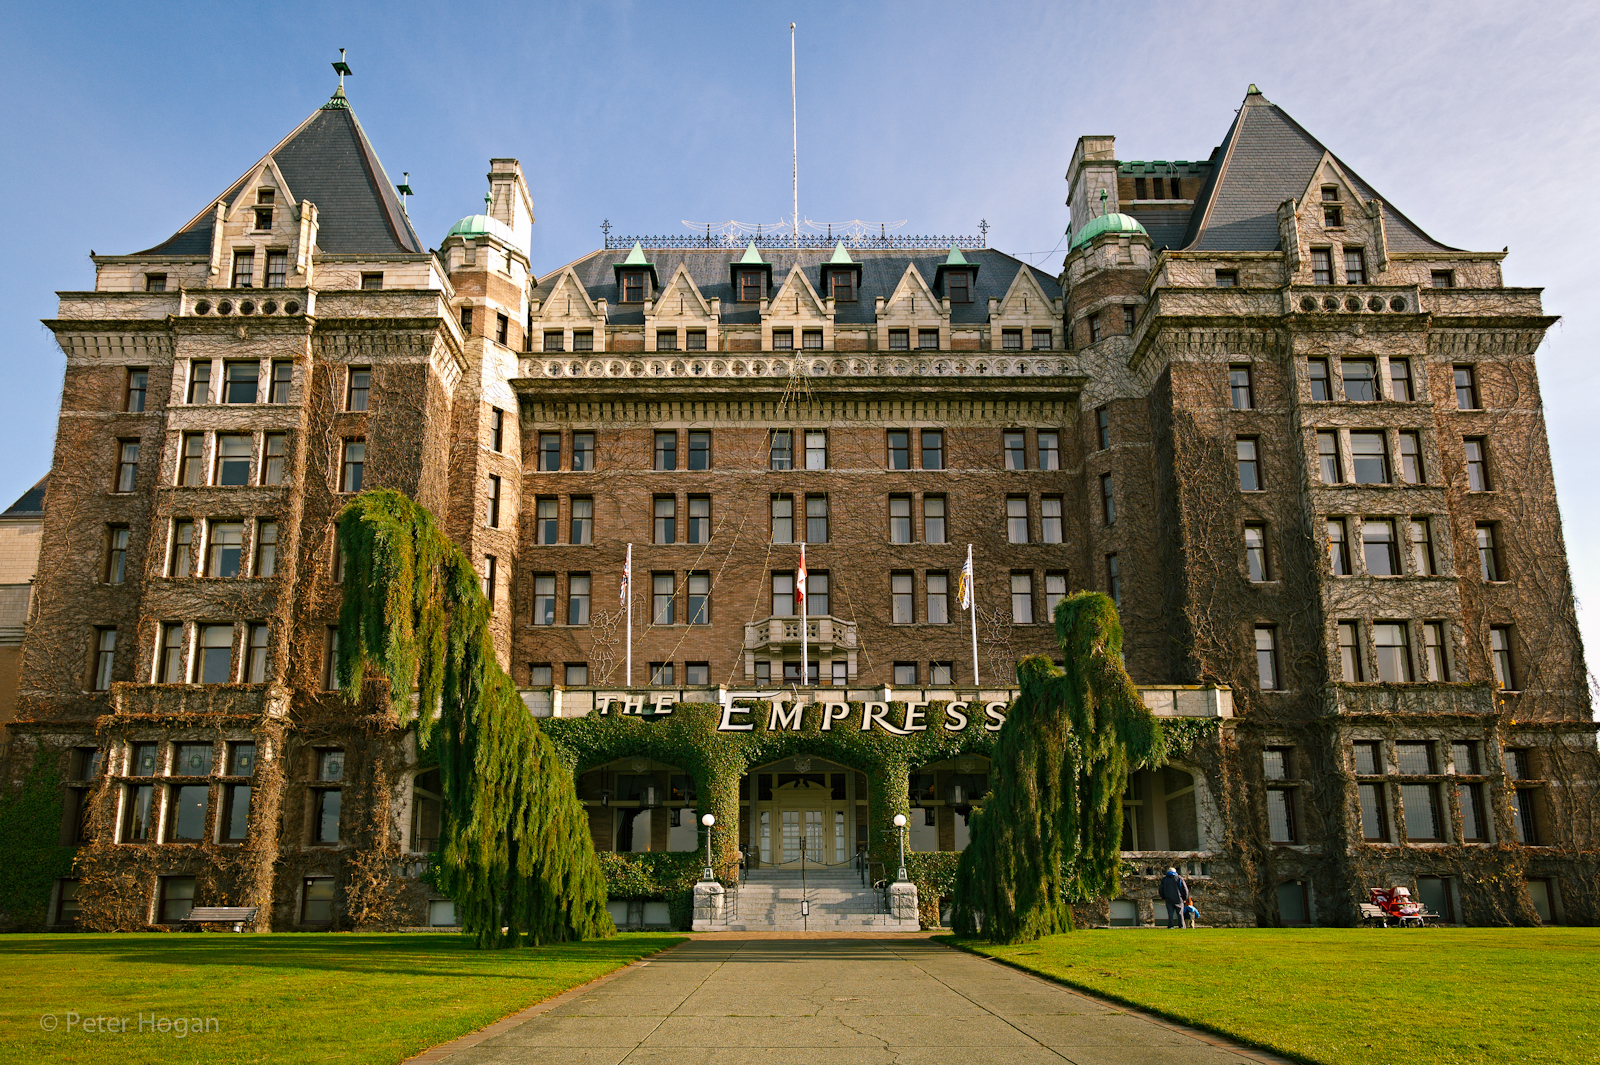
(1175, 893)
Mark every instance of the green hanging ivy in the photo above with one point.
(514, 851)
(30, 851)
(1051, 831)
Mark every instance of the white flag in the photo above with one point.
(627, 576)
(964, 585)
(800, 580)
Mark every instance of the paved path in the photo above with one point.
(736, 999)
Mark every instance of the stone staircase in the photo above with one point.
(770, 900)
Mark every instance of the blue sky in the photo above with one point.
(1481, 121)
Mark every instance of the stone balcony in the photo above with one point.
(1364, 700)
(219, 700)
(824, 633)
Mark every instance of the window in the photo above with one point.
(1477, 464)
(181, 563)
(958, 285)
(358, 386)
(330, 664)
(932, 449)
(117, 554)
(263, 218)
(933, 519)
(169, 661)
(1411, 457)
(1466, 388)
(127, 465)
(155, 282)
(1050, 515)
(899, 449)
(540, 675)
(1267, 658)
(1055, 590)
(781, 450)
(817, 602)
(1488, 552)
(1355, 266)
(1255, 552)
(1360, 380)
(816, 519)
(466, 320)
(493, 517)
(582, 452)
(1010, 340)
(1330, 193)
(1114, 579)
(225, 549)
(278, 271)
(576, 673)
(667, 450)
(234, 824)
(1435, 657)
(502, 324)
(1328, 457)
(199, 382)
(583, 340)
(1400, 385)
(554, 340)
(661, 673)
(783, 519)
(134, 394)
(282, 376)
(900, 519)
(1374, 815)
(1350, 652)
(1240, 387)
(1249, 464)
(546, 520)
(1022, 598)
(941, 673)
(783, 340)
(1500, 657)
(1338, 548)
(1422, 561)
(244, 269)
(811, 340)
(1043, 339)
(1321, 266)
(1015, 446)
(1378, 549)
(1094, 328)
(1333, 217)
(783, 605)
(899, 340)
(355, 461)
(105, 652)
(326, 803)
(186, 812)
(699, 520)
(214, 658)
(1444, 279)
(255, 669)
(1369, 458)
(544, 598)
(1421, 803)
(666, 514)
(1227, 279)
(176, 898)
(902, 599)
(633, 286)
(841, 286)
(491, 570)
(1049, 450)
(1017, 519)
(663, 600)
(1470, 798)
(938, 598)
(928, 340)
(1127, 318)
(1280, 815)
(138, 826)
(1317, 374)
(700, 597)
(497, 429)
(841, 672)
(233, 459)
(695, 340)
(699, 449)
(549, 452)
(750, 286)
(578, 586)
(1391, 644)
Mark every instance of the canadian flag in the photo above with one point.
(800, 581)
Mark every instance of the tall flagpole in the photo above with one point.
(805, 644)
(972, 600)
(627, 597)
(794, 130)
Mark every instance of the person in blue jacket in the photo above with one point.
(1175, 893)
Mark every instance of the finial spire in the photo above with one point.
(342, 68)
(404, 188)
(1103, 195)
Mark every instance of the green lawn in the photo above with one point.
(1349, 996)
(357, 999)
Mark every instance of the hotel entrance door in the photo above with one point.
(803, 821)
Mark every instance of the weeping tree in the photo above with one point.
(514, 851)
(1050, 832)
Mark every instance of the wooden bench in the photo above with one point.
(238, 916)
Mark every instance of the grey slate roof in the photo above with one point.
(329, 161)
(30, 502)
(1268, 158)
(880, 274)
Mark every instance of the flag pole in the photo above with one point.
(627, 598)
(972, 600)
(805, 644)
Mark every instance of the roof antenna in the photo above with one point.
(342, 68)
(404, 189)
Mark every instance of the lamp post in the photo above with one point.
(708, 820)
(900, 823)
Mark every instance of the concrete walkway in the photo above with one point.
(733, 999)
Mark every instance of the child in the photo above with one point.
(1190, 914)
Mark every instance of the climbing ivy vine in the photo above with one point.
(1051, 831)
(514, 851)
(30, 852)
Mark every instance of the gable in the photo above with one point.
(681, 297)
(796, 298)
(912, 298)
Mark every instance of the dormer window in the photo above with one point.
(1332, 214)
(633, 286)
(155, 282)
(266, 196)
(958, 284)
(749, 286)
(1330, 194)
(842, 286)
(263, 218)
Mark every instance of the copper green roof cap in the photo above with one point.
(753, 257)
(956, 258)
(1106, 223)
(636, 256)
(840, 256)
(482, 225)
